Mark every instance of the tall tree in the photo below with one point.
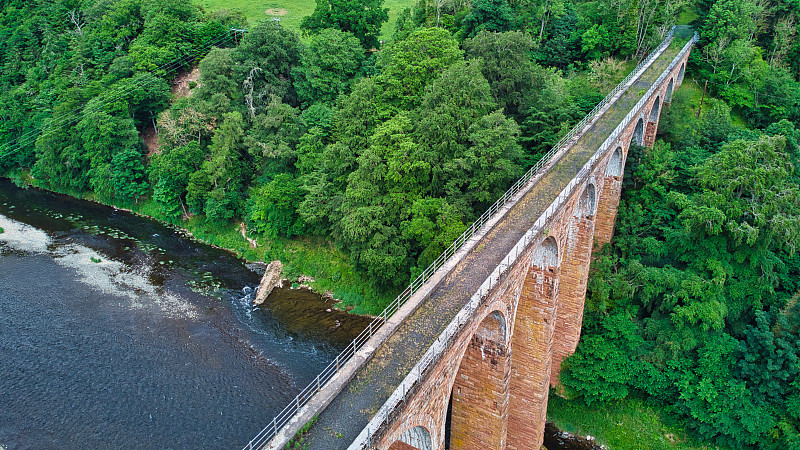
(328, 66)
(263, 62)
(362, 18)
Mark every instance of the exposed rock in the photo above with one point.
(270, 280)
(243, 229)
(305, 279)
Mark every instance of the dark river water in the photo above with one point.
(116, 332)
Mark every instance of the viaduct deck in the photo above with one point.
(344, 418)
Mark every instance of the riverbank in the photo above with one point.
(629, 423)
(304, 258)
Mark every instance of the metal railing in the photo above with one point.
(418, 373)
(279, 421)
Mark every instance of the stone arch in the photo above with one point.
(478, 407)
(417, 438)
(638, 133)
(532, 346)
(668, 92)
(588, 202)
(655, 110)
(493, 328)
(614, 166)
(652, 123)
(681, 73)
(546, 255)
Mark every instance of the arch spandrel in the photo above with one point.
(546, 255)
(614, 166)
(587, 205)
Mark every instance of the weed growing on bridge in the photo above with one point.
(297, 442)
(335, 434)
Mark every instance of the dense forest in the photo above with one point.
(388, 149)
(388, 153)
(694, 305)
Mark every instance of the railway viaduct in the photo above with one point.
(466, 356)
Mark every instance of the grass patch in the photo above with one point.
(686, 101)
(395, 8)
(687, 16)
(629, 423)
(292, 12)
(308, 255)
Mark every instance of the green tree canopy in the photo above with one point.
(362, 18)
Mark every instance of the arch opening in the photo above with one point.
(493, 328)
(417, 438)
(588, 202)
(614, 167)
(668, 93)
(546, 256)
(655, 110)
(479, 396)
(638, 133)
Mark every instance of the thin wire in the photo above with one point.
(74, 115)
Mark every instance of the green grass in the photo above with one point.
(293, 11)
(687, 101)
(313, 256)
(298, 441)
(395, 8)
(627, 424)
(687, 16)
(256, 11)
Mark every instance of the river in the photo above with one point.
(117, 332)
